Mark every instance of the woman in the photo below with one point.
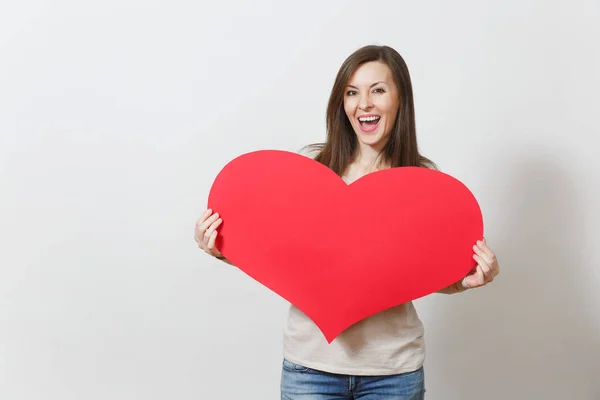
(370, 126)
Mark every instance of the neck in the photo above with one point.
(368, 157)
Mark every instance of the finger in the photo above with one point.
(474, 280)
(481, 253)
(199, 224)
(465, 282)
(482, 264)
(488, 273)
(212, 229)
(480, 276)
(206, 224)
(211, 242)
(483, 246)
(203, 217)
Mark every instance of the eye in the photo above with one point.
(350, 92)
(379, 90)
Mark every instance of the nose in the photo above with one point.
(365, 102)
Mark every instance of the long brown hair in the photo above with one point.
(340, 146)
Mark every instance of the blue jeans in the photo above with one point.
(301, 383)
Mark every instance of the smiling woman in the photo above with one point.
(370, 127)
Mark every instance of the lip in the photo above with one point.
(368, 129)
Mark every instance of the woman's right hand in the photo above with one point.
(205, 233)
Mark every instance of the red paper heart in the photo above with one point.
(339, 252)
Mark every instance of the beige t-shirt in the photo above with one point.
(387, 343)
(390, 342)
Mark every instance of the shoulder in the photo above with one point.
(425, 162)
(313, 149)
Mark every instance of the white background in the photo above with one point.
(115, 117)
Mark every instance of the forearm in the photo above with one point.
(456, 287)
(225, 260)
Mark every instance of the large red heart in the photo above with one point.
(339, 252)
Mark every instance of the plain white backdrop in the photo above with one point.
(116, 116)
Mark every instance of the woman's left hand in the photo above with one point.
(487, 267)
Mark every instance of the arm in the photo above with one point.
(456, 287)
(225, 260)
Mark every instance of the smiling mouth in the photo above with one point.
(369, 124)
(369, 121)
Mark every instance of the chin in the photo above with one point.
(369, 140)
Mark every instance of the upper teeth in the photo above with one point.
(368, 118)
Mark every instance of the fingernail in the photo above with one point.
(207, 212)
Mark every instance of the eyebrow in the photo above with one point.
(376, 83)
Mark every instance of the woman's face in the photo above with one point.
(371, 103)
